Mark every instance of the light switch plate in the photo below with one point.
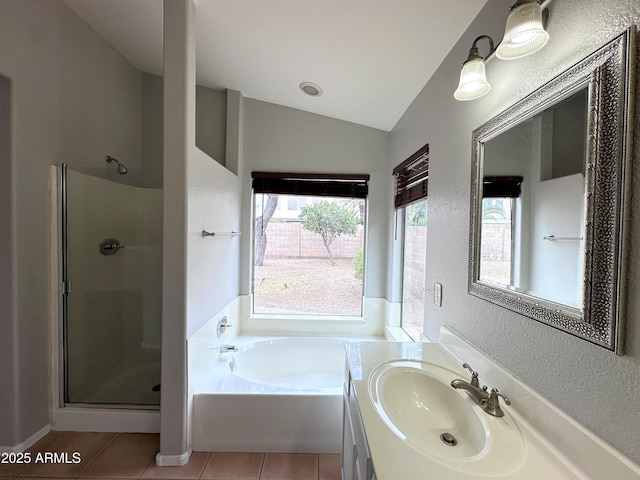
(437, 294)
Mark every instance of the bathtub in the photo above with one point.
(272, 395)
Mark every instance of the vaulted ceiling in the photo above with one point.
(370, 57)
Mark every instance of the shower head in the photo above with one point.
(122, 170)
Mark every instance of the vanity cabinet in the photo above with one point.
(356, 459)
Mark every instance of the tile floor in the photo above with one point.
(132, 455)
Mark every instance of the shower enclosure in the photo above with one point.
(111, 239)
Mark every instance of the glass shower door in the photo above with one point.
(112, 264)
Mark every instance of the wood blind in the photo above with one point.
(312, 184)
(412, 178)
(501, 187)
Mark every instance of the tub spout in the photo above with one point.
(228, 348)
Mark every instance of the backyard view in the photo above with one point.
(496, 241)
(308, 255)
(413, 271)
(307, 286)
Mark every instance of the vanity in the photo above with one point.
(403, 420)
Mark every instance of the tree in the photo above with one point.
(492, 212)
(417, 214)
(261, 228)
(330, 220)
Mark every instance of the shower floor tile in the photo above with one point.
(111, 456)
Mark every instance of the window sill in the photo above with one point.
(307, 318)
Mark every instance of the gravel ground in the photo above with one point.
(307, 286)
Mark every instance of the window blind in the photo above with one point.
(412, 178)
(314, 184)
(501, 187)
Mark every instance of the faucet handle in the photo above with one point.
(495, 394)
(474, 375)
(492, 404)
(223, 325)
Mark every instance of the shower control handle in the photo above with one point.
(109, 246)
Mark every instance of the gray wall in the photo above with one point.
(151, 110)
(211, 126)
(8, 319)
(211, 122)
(283, 139)
(596, 387)
(73, 108)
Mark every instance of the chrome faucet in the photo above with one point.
(228, 348)
(474, 375)
(488, 401)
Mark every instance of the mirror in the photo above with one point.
(549, 199)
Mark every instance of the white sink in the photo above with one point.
(417, 403)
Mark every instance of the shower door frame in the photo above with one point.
(66, 288)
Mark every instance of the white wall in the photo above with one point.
(214, 206)
(74, 99)
(557, 209)
(599, 389)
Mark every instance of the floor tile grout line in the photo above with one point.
(264, 458)
(204, 465)
(52, 447)
(99, 454)
(202, 469)
(151, 462)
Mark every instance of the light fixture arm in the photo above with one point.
(474, 52)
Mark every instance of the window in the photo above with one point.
(497, 233)
(496, 241)
(309, 244)
(412, 177)
(414, 262)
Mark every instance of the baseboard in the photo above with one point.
(173, 460)
(22, 446)
(106, 420)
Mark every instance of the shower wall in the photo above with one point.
(114, 308)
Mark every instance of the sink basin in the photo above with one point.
(416, 402)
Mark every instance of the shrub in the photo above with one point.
(357, 264)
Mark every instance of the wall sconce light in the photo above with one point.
(524, 34)
(473, 79)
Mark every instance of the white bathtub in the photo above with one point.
(306, 364)
(273, 395)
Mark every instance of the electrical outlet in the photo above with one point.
(437, 294)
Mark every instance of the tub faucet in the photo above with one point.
(228, 348)
(488, 401)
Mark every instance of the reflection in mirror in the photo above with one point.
(532, 215)
(549, 199)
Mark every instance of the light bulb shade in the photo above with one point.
(473, 80)
(524, 33)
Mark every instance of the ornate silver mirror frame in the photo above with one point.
(609, 75)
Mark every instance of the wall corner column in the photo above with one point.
(179, 137)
